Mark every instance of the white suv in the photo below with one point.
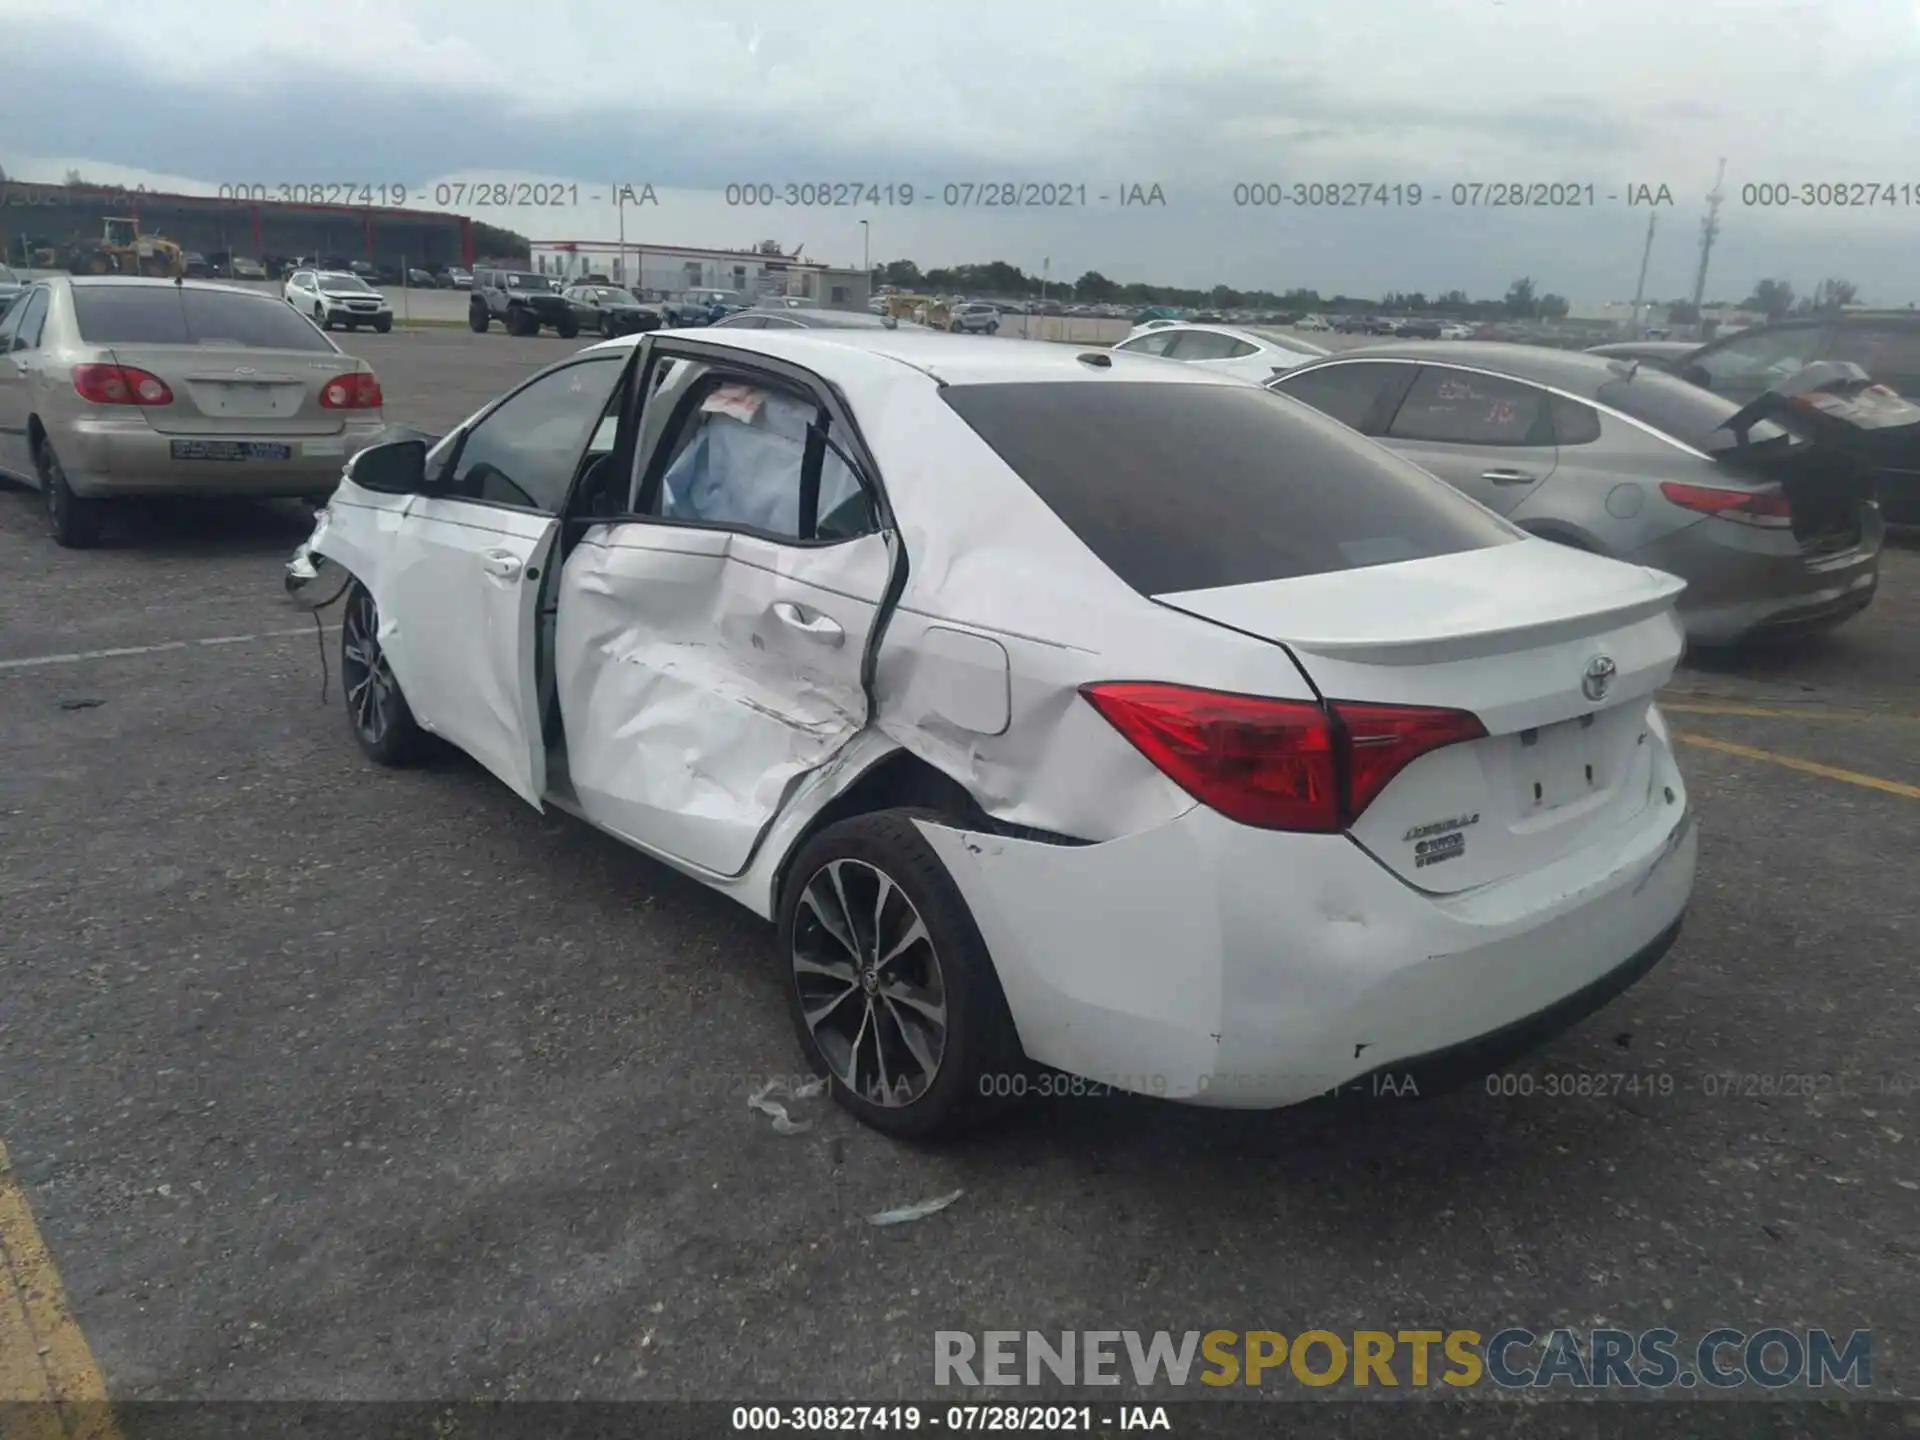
(334, 298)
(980, 319)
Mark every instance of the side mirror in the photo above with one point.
(396, 468)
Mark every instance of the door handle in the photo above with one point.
(811, 624)
(503, 563)
(1507, 477)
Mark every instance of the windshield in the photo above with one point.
(166, 315)
(349, 283)
(619, 296)
(528, 282)
(7, 277)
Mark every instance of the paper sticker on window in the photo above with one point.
(1454, 390)
(1501, 412)
(741, 402)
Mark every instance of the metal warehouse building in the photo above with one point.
(384, 235)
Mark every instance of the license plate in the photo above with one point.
(230, 450)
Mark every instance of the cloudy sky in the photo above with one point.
(1195, 96)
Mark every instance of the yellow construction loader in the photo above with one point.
(123, 250)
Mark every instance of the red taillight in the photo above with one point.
(1382, 740)
(119, 385)
(356, 390)
(1276, 764)
(1768, 508)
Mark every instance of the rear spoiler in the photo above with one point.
(1827, 400)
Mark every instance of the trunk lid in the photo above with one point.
(1559, 653)
(233, 390)
(1823, 435)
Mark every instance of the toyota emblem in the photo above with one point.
(1598, 677)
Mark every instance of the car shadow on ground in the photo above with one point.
(179, 527)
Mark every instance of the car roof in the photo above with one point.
(1661, 349)
(1571, 370)
(945, 358)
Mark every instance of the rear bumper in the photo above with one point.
(1207, 962)
(1743, 582)
(105, 458)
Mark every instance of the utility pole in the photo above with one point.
(1709, 232)
(620, 208)
(1640, 290)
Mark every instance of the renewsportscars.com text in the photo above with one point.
(1604, 1359)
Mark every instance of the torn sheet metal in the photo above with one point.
(698, 682)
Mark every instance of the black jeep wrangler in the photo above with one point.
(520, 300)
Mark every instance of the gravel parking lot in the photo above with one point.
(329, 1081)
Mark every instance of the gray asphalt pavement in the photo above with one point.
(326, 1081)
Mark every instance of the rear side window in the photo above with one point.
(1460, 407)
(1574, 423)
(1187, 487)
(1205, 345)
(1349, 392)
(174, 315)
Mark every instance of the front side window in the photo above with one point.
(1460, 407)
(1154, 344)
(526, 451)
(1202, 345)
(33, 319)
(1350, 392)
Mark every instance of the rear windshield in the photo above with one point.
(175, 315)
(1681, 409)
(1187, 487)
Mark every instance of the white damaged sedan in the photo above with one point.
(1061, 708)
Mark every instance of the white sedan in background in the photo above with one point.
(333, 297)
(1058, 707)
(1244, 353)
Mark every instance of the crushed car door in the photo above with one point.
(462, 594)
(711, 648)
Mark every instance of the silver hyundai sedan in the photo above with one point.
(1771, 524)
(118, 386)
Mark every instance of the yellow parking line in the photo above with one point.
(1792, 762)
(1758, 712)
(46, 1366)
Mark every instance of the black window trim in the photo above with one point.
(27, 297)
(436, 489)
(842, 433)
(1609, 411)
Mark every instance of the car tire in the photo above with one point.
(606, 327)
(971, 1043)
(76, 522)
(377, 711)
(382, 327)
(478, 319)
(567, 329)
(320, 317)
(993, 327)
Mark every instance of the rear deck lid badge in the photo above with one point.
(1598, 677)
(1441, 827)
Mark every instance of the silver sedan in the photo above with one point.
(1771, 527)
(119, 386)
